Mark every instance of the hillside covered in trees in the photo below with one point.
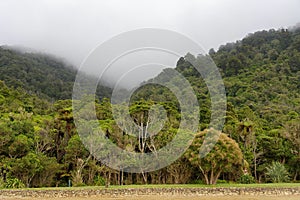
(40, 74)
(260, 142)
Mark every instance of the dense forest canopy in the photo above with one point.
(40, 74)
(39, 144)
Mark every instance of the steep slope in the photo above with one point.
(39, 74)
(261, 74)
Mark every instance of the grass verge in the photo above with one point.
(268, 185)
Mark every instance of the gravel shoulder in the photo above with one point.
(173, 197)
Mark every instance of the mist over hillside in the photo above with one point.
(261, 74)
(42, 74)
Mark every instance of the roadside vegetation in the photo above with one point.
(259, 144)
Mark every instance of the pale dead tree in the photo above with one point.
(156, 120)
(77, 173)
(142, 124)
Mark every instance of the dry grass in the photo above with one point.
(173, 197)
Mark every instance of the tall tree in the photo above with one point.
(226, 156)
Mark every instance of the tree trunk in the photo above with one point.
(107, 182)
(205, 175)
(211, 180)
(144, 177)
(122, 177)
(216, 177)
(295, 176)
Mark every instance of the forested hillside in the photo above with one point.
(260, 141)
(261, 74)
(39, 74)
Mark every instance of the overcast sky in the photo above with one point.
(72, 28)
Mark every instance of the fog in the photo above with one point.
(72, 29)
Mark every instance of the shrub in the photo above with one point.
(246, 179)
(77, 179)
(14, 183)
(200, 182)
(277, 173)
(221, 181)
(2, 183)
(99, 181)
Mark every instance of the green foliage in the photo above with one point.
(99, 181)
(45, 75)
(224, 156)
(40, 146)
(221, 181)
(14, 183)
(197, 182)
(246, 179)
(20, 146)
(277, 173)
(2, 183)
(76, 179)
